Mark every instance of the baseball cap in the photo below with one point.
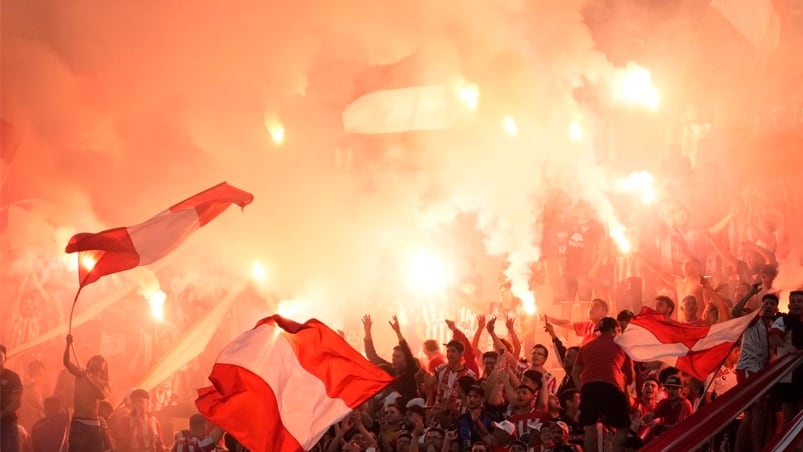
(563, 426)
(506, 426)
(673, 380)
(456, 344)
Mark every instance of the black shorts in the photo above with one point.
(598, 400)
(789, 392)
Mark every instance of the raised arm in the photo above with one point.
(410, 362)
(514, 338)
(475, 341)
(74, 369)
(712, 297)
(738, 310)
(723, 223)
(560, 349)
(368, 342)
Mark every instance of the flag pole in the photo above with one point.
(735, 343)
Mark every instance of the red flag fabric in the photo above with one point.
(696, 350)
(119, 249)
(279, 386)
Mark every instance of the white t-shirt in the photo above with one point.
(780, 327)
(754, 354)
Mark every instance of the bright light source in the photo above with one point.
(528, 302)
(292, 309)
(639, 182)
(275, 129)
(633, 85)
(258, 272)
(88, 262)
(469, 94)
(622, 242)
(575, 131)
(510, 126)
(156, 301)
(427, 275)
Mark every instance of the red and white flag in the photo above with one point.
(415, 93)
(696, 350)
(279, 386)
(119, 249)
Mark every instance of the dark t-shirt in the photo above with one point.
(10, 384)
(582, 247)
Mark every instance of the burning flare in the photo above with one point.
(156, 301)
(275, 129)
(575, 131)
(258, 272)
(639, 182)
(511, 128)
(469, 94)
(427, 275)
(633, 86)
(88, 262)
(619, 237)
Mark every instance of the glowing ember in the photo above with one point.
(276, 130)
(634, 86)
(639, 182)
(468, 94)
(258, 272)
(427, 275)
(575, 131)
(510, 126)
(156, 301)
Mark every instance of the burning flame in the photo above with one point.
(510, 126)
(634, 86)
(156, 300)
(527, 302)
(275, 129)
(575, 131)
(427, 275)
(291, 309)
(639, 182)
(617, 233)
(258, 272)
(469, 94)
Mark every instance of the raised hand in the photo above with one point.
(69, 339)
(509, 321)
(490, 325)
(548, 327)
(366, 325)
(394, 324)
(480, 321)
(450, 323)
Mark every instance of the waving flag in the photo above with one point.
(120, 249)
(412, 94)
(696, 350)
(279, 386)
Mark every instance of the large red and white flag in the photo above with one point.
(119, 249)
(416, 93)
(279, 386)
(696, 350)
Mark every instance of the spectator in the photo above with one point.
(88, 432)
(10, 401)
(671, 410)
(197, 439)
(141, 432)
(602, 372)
(50, 433)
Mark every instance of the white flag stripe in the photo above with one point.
(158, 236)
(398, 110)
(642, 345)
(267, 353)
(723, 332)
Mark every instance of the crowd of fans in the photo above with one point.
(536, 383)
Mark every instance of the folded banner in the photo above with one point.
(696, 350)
(279, 386)
(119, 249)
